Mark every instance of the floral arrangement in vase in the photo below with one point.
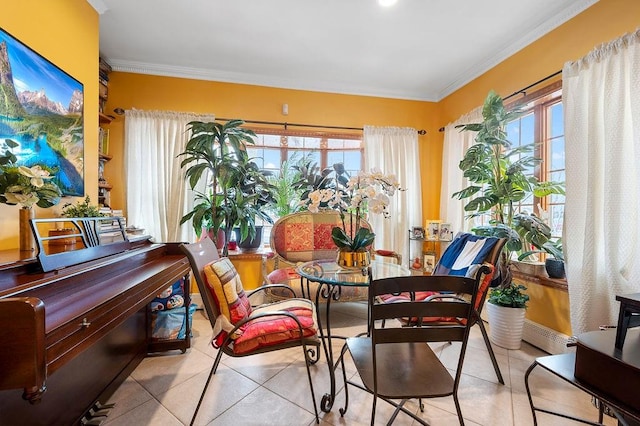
(26, 185)
(362, 194)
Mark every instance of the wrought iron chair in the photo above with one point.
(464, 256)
(241, 329)
(394, 361)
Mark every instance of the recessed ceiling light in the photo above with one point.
(387, 3)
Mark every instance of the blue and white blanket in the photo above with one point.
(464, 255)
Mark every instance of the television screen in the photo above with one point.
(41, 108)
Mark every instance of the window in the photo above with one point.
(275, 146)
(542, 121)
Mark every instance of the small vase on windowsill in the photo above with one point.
(27, 242)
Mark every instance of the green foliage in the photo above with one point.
(81, 209)
(285, 194)
(511, 296)
(26, 185)
(498, 182)
(238, 191)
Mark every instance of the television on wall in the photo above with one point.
(42, 109)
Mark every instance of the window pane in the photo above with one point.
(556, 218)
(527, 134)
(272, 159)
(557, 120)
(513, 132)
(557, 154)
(353, 162)
(335, 157)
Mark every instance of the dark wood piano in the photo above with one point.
(74, 321)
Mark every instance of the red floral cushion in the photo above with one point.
(273, 330)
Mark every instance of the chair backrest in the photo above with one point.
(464, 256)
(200, 254)
(461, 307)
(306, 236)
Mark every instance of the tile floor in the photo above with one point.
(272, 389)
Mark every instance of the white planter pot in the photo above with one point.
(505, 325)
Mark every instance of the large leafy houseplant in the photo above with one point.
(237, 191)
(499, 179)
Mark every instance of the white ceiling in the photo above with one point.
(416, 49)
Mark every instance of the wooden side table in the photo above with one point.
(251, 266)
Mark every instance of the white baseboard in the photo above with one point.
(545, 338)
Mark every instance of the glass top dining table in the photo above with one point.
(332, 278)
(327, 271)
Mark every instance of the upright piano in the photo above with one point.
(74, 321)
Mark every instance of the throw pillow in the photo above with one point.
(228, 294)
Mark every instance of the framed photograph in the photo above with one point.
(417, 232)
(445, 232)
(42, 110)
(433, 231)
(429, 261)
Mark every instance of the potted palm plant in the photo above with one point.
(499, 179)
(218, 153)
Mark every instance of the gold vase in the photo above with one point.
(27, 242)
(353, 259)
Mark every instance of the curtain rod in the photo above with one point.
(285, 124)
(524, 89)
(422, 132)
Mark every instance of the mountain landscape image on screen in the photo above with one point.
(41, 108)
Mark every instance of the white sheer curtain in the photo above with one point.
(157, 193)
(395, 150)
(455, 145)
(601, 95)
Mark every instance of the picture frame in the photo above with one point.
(44, 114)
(429, 261)
(417, 232)
(445, 233)
(433, 231)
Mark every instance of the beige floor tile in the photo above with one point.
(149, 413)
(264, 408)
(272, 388)
(129, 395)
(227, 387)
(159, 372)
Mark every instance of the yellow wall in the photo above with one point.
(128, 90)
(66, 33)
(603, 22)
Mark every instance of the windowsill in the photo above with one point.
(558, 283)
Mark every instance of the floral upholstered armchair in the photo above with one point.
(306, 236)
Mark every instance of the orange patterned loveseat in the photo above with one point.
(305, 236)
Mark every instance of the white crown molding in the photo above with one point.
(258, 80)
(98, 5)
(547, 26)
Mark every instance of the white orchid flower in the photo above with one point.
(36, 173)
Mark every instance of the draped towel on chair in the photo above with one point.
(601, 95)
(395, 150)
(157, 192)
